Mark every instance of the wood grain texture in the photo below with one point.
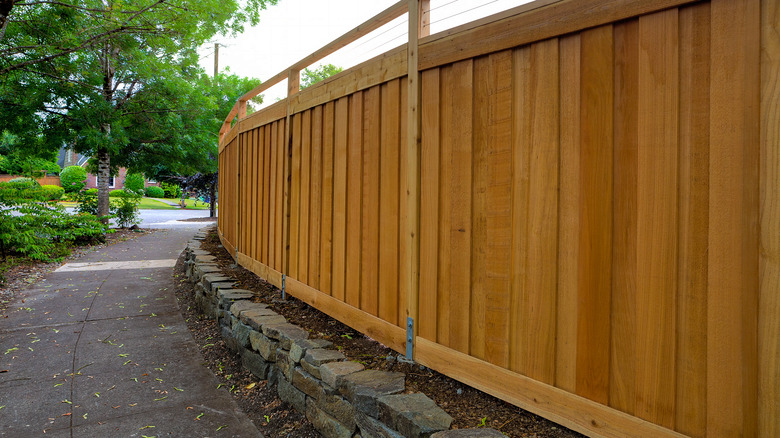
(328, 197)
(354, 199)
(296, 176)
(267, 210)
(733, 240)
(568, 214)
(429, 198)
(769, 299)
(389, 202)
(479, 186)
(622, 383)
(282, 195)
(340, 149)
(691, 368)
(460, 213)
(409, 220)
(543, 133)
(657, 217)
(733, 206)
(447, 134)
(304, 250)
(596, 188)
(369, 211)
(315, 226)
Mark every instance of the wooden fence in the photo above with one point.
(576, 202)
(46, 180)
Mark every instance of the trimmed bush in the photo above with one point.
(171, 190)
(91, 192)
(73, 178)
(118, 193)
(154, 192)
(23, 179)
(134, 182)
(53, 193)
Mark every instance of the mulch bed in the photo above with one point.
(468, 407)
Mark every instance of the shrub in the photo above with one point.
(45, 232)
(126, 211)
(73, 178)
(154, 192)
(53, 193)
(87, 201)
(20, 190)
(118, 193)
(171, 190)
(22, 179)
(134, 182)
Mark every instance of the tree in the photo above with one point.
(194, 154)
(105, 76)
(311, 77)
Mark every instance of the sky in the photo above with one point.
(293, 29)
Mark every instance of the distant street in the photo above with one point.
(171, 218)
(167, 218)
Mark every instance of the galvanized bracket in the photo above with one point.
(284, 294)
(410, 338)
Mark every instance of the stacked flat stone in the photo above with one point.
(340, 398)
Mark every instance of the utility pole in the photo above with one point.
(216, 59)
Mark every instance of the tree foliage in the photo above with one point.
(311, 77)
(114, 80)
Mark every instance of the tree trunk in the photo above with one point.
(104, 173)
(213, 199)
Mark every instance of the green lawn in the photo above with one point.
(153, 204)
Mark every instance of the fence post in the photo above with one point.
(417, 10)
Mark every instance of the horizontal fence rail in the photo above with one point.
(576, 203)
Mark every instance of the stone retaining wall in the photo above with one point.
(340, 398)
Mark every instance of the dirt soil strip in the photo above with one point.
(468, 407)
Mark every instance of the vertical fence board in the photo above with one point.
(303, 251)
(622, 385)
(769, 300)
(254, 144)
(657, 217)
(354, 198)
(499, 209)
(479, 186)
(389, 199)
(317, 183)
(691, 369)
(268, 187)
(282, 189)
(595, 263)
(540, 290)
(568, 214)
(446, 117)
(295, 198)
(404, 213)
(430, 202)
(369, 248)
(460, 212)
(340, 205)
(328, 197)
(733, 270)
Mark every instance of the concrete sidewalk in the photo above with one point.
(100, 349)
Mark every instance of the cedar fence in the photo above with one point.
(575, 202)
(45, 180)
